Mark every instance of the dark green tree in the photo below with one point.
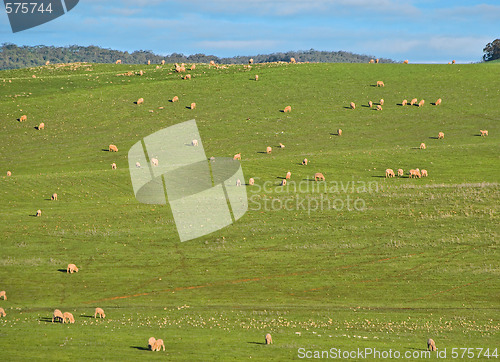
(492, 50)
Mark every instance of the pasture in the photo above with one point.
(366, 262)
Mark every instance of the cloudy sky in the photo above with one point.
(420, 30)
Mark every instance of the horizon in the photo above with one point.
(423, 32)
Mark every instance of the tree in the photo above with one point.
(492, 50)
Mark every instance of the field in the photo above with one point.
(368, 262)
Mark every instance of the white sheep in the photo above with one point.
(99, 312)
(57, 315)
(72, 268)
(269, 339)
(194, 143)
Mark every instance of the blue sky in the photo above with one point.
(421, 31)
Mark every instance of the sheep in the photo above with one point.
(339, 132)
(119, 61)
(421, 103)
(404, 103)
(400, 172)
(438, 102)
(423, 146)
(431, 345)
(424, 173)
(269, 339)
(175, 99)
(54, 197)
(371, 61)
(269, 149)
(413, 101)
(292, 60)
(370, 104)
(440, 135)
(238, 182)
(389, 173)
(57, 315)
(33, 76)
(68, 316)
(353, 105)
(453, 61)
(194, 143)
(188, 76)
(158, 345)
(376, 60)
(72, 268)
(380, 83)
(256, 77)
(237, 156)
(163, 62)
(47, 62)
(381, 102)
(9, 173)
(251, 181)
(287, 109)
(250, 61)
(113, 166)
(288, 175)
(212, 62)
(2, 312)
(282, 145)
(41, 126)
(483, 132)
(151, 342)
(138, 164)
(319, 176)
(283, 183)
(140, 101)
(379, 107)
(193, 67)
(415, 173)
(3, 295)
(305, 161)
(154, 162)
(99, 312)
(406, 61)
(149, 62)
(113, 148)
(38, 213)
(23, 118)
(193, 105)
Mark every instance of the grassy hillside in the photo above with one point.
(391, 262)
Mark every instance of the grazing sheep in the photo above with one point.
(38, 213)
(47, 62)
(415, 173)
(256, 77)
(175, 99)
(238, 182)
(269, 149)
(389, 173)
(371, 61)
(72, 268)
(41, 126)
(339, 132)
(381, 102)
(151, 342)
(380, 83)
(138, 164)
(424, 173)
(2, 312)
(376, 60)
(193, 67)
(379, 107)
(188, 76)
(431, 345)
(149, 62)
(9, 173)
(194, 143)
(370, 104)
(305, 161)
(33, 76)
(154, 162)
(193, 105)
(287, 109)
(405, 102)
(413, 101)
(119, 61)
(250, 61)
(406, 61)
(400, 172)
(421, 103)
(422, 146)
(483, 132)
(438, 102)
(113, 148)
(23, 118)
(269, 339)
(453, 61)
(163, 62)
(99, 312)
(140, 101)
(3, 295)
(237, 156)
(353, 105)
(68, 316)
(292, 60)
(319, 176)
(57, 315)
(251, 181)
(288, 175)
(282, 145)
(158, 345)
(440, 135)
(283, 183)
(113, 166)
(54, 197)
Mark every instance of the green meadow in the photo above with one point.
(356, 262)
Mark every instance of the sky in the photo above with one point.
(423, 31)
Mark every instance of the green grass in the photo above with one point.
(418, 261)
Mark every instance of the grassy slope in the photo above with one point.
(421, 260)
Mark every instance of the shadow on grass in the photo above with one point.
(87, 316)
(105, 150)
(434, 138)
(264, 152)
(140, 348)
(379, 176)
(46, 320)
(263, 343)
(62, 270)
